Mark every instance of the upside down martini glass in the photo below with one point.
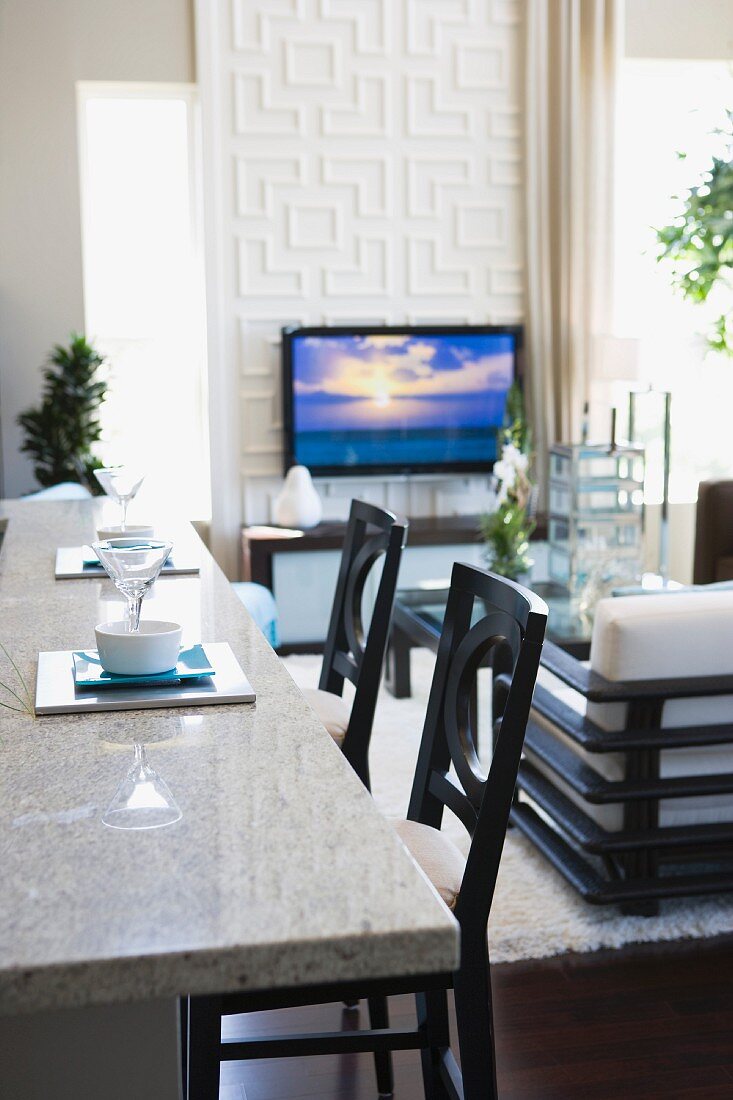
(143, 799)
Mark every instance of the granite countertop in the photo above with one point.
(280, 872)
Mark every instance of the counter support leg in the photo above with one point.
(111, 1051)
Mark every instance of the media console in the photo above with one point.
(300, 568)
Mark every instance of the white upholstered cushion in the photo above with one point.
(437, 855)
(661, 637)
(682, 634)
(333, 711)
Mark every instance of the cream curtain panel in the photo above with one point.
(573, 51)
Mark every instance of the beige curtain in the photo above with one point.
(573, 50)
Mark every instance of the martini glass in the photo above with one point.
(143, 800)
(133, 566)
(121, 483)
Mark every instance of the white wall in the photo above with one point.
(45, 47)
(701, 29)
(364, 166)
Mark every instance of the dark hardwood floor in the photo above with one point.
(648, 1022)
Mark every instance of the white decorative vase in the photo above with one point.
(298, 504)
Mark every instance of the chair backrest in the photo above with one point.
(353, 652)
(509, 633)
(713, 559)
(665, 637)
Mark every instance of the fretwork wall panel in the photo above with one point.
(374, 158)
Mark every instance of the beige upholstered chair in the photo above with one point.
(447, 775)
(437, 855)
(353, 651)
(333, 711)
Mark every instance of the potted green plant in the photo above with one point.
(699, 243)
(61, 432)
(506, 531)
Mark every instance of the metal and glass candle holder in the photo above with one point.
(649, 426)
(595, 512)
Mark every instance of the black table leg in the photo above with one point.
(398, 664)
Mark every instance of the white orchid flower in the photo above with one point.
(505, 472)
(512, 456)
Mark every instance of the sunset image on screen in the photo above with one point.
(399, 399)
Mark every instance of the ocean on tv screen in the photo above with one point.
(399, 399)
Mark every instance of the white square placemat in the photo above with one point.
(70, 564)
(56, 692)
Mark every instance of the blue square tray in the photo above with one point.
(90, 560)
(88, 672)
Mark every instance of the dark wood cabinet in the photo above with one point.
(300, 568)
(261, 544)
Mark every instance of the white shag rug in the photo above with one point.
(535, 913)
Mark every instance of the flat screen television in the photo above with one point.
(396, 400)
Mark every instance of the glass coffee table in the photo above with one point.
(418, 615)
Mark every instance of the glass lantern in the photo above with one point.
(595, 521)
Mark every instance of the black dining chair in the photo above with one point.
(353, 652)
(483, 612)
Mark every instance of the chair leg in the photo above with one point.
(379, 1018)
(356, 750)
(183, 1041)
(432, 1017)
(204, 1047)
(474, 1019)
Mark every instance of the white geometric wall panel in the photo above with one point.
(373, 158)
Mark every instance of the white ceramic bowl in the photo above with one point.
(154, 649)
(132, 531)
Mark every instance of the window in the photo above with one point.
(667, 108)
(144, 286)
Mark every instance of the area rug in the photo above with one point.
(535, 913)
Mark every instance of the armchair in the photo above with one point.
(627, 780)
(713, 560)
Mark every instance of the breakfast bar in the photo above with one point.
(279, 872)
